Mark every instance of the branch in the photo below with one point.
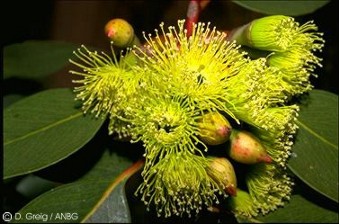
(193, 11)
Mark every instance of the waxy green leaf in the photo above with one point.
(43, 129)
(315, 153)
(97, 197)
(36, 59)
(288, 8)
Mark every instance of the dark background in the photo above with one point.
(82, 22)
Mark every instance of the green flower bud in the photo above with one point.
(246, 148)
(214, 128)
(221, 170)
(120, 32)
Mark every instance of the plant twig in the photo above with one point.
(193, 11)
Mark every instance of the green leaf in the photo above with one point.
(35, 59)
(31, 186)
(43, 129)
(300, 210)
(10, 99)
(289, 8)
(73, 199)
(113, 205)
(315, 153)
(84, 198)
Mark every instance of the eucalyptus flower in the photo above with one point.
(242, 205)
(107, 86)
(160, 93)
(165, 125)
(276, 126)
(102, 78)
(179, 184)
(269, 187)
(296, 66)
(293, 46)
(276, 33)
(196, 68)
(253, 89)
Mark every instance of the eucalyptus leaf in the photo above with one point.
(36, 59)
(43, 129)
(83, 198)
(112, 208)
(315, 153)
(31, 186)
(113, 205)
(68, 203)
(300, 210)
(10, 99)
(289, 8)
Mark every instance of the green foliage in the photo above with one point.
(43, 129)
(12, 98)
(315, 153)
(36, 59)
(301, 210)
(82, 197)
(290, 8)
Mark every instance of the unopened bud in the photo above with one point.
(221, 170)
(246, 148)
(120, 32)
(214, 128)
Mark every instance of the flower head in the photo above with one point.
(268, 186)
(102, 80)
(242, 205)
(179, 184)
(276, 127)
(293, 46)
(165, 125)
(277, 33)
(296, 66)
(196, 68)
(162, 92)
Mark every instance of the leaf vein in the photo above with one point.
(43, 128)
(316, 134)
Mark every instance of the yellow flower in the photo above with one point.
(269, 187)
(276, 33)
(179, 184)
(158, 94)
(101, 80)
(195, 68)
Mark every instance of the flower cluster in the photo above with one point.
(178, 94)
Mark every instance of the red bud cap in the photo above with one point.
(246, 148)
